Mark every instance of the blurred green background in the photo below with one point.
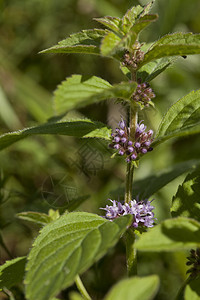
(46, 172)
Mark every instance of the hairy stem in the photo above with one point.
(131, 255)
(82, 289)
(129, 182)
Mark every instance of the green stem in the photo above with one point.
(3, 245)
(131, 255)
(81, 288)
(179, 296)
(129, 182)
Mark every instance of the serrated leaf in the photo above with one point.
(151, 70)
(79, 128)
(143, 22)
(171, 235)
(148, 186)
(67, 247)
(135, 288)
(12, 272)
(86, 41)
(173, 45)
(130, 17)
(192, 290)
(77, 91)
(182, 119)
(35, 217)
(186, 202)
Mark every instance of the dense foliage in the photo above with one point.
(127, 116)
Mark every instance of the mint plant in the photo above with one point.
(70, 243)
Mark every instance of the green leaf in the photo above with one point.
(143, 22)
(112, 23)
(192, 290)
(135, 288)
(12, 272)
(148, 186)
(111, 45)
(67, 247)
(77, 91)
(86, 41)
(171, 235)
(151, 70)
(186, 202)
(75, 296)
(35, 217)
(130, 17)
(182, 119)
(173, 44)
(80, 128)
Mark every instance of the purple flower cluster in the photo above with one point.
(122, 143)
(143, 94)
(141, 211)
(132, 61)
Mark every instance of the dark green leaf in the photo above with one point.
(86, 41)
(79, 128)
(186, 202)
(135, 288)
(151, 70)
(77, 91)
(148, 186)
(67, 247)
(173, 44)
(182, 119)
(171, 235)
(12, 272)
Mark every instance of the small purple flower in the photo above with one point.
(141, 211)
(132, 149)
(143, 94)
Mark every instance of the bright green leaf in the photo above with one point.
(130, 17)
(173, 44)
(67, 247)
(112, 23)
(182, 119)
(77, 91)
(192, 290)
(79, 128)
(135, 288)
(171, 235)
(35, 217)
(12, 272)
(86, 41)
(186, 202)
(109, 44)
(75, 296)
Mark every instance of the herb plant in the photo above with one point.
(70, 243)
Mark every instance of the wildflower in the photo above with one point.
(132, 60)
(143, 94)
(141, 211)
(132, 149)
